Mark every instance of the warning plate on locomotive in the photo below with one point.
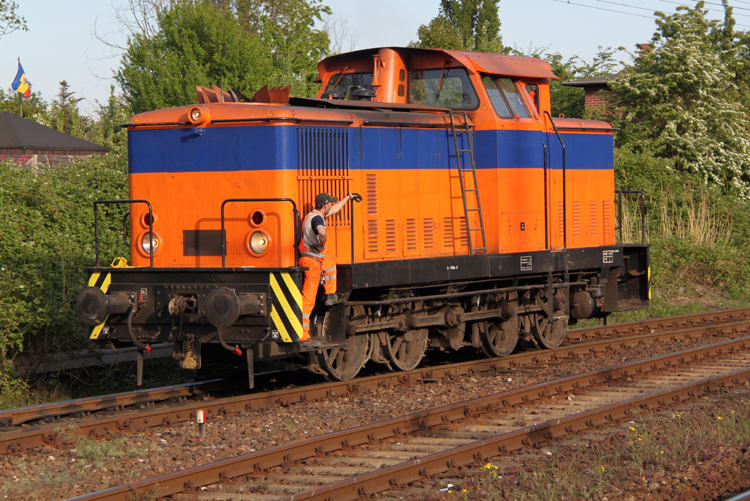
(608, 256)
(526, 263)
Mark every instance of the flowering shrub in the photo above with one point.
(681, 100)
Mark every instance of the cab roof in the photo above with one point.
(481, 62)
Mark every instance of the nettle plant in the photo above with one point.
(680, 100)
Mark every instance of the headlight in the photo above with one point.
(146, 242)
(198, 115)
(258, 241)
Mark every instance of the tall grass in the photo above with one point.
(694, 216)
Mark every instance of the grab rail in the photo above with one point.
(150, 224)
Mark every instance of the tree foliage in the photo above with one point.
(32, 107)
(681, 100)
(10, 21)
(46, 241)
(64, 115)
(287, 27)
(196, 43)
(464, 25)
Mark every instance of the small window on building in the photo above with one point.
(344, 85)
(505, 97)
(445, 87)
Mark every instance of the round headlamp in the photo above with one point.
(258, 242)
(148, 242)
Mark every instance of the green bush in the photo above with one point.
(46, 243)
(699, 234)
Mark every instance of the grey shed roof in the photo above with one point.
(22, 134)
(585, 82)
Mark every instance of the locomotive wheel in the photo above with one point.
(406, 350)
(549, 334)
(499, 339)
(343, 364)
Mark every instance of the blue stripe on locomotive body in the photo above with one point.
(275, 148)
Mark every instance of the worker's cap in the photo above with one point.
(324, 198)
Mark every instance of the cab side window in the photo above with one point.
(506, 97)
(348, 82)
(445, 87)
(533, 91)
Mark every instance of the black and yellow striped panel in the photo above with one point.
(103, 281)
(286, 312)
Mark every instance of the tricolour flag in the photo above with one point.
(20, 84)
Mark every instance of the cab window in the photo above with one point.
(533, 91)
(506, 97)
(445, 87)
(349, 82)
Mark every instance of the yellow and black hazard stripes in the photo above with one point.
(98, 279)
(286, 312)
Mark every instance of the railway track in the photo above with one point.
(38, 426)
(363, 461)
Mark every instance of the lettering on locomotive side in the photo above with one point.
(526, 264)
(452, 267)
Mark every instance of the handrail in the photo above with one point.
(232, 200)
(564, 165)
(150, 224)
(642, 197)
(426, 125)
(546, 200)
(282, 119)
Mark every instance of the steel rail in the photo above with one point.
(136, 420)
(20, 415)
(745, 496)
(430, 466)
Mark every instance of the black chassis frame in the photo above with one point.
(624, 268)
(155, 287)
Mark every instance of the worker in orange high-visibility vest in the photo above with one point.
(320, 263)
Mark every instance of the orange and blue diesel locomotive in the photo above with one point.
(484, 220)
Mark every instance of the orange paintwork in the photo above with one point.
(406, 213)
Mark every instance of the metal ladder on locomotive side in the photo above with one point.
(466, 191)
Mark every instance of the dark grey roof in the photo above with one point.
(23, 134)
(585, 82)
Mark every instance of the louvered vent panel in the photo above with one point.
(576, 219)
(372, 194)
(372, 236)
(593, 219)
(448, 232)
(411, 234)
(390, 235)
(428, 230)
(561, 220)
(607, 217)
(463, 233)
(323, 167)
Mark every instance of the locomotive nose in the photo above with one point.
(93, 305)
(224, 307)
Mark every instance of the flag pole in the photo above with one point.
(20, 101)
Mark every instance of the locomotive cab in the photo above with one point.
(485, 221)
